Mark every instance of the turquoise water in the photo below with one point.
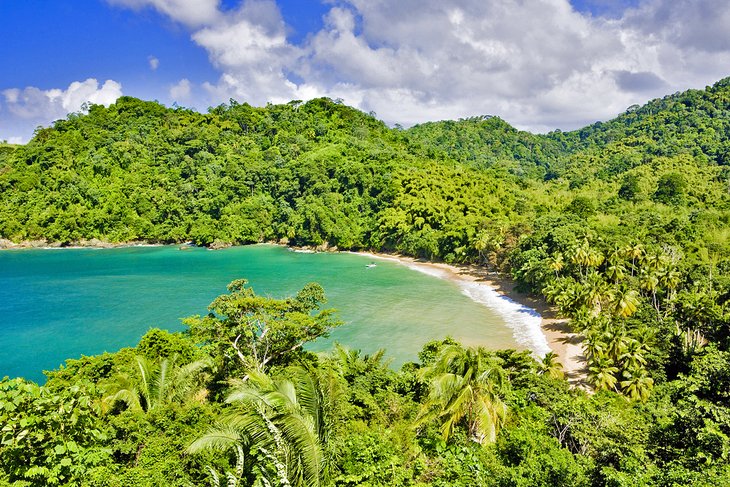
(62, 303)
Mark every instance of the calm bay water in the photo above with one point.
(58, 304)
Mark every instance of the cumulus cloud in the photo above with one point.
(701, 25)
(32, 102)
(539, 64)
(189, 12)
(638, 82)
(25, 108)
(461, 58)
(250, 48)
(181, 91)
(153, 62)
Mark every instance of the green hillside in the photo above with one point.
(623, 226)
(484, 142)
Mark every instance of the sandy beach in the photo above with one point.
(560, 339)
(555, 330)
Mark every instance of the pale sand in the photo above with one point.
(562, 341)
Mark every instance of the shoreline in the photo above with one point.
(558, 336)
(81, 244)
(560, 339)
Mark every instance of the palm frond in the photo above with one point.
(220, 438)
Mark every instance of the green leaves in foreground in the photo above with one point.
(155, 384)
(465, 384)
(49, 438)
(286, 423)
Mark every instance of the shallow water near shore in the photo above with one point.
(58, 304)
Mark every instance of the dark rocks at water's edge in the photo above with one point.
(219, 244)
(6, 244)
(94, 243)
(26, 244)
(323, 247)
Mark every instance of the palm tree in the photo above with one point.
(599, 338)
(649, 281)
(596, 293)
(581, 255)
(562, 291)
(351, 364)
(595, 346)
(229, 478)
(486, 243)
(550, 366)
(481, 243)
(635, 253)
(595, 258)
(669, 279)
(367, 375)
(711, 258)
(654, 261)
(465, 384)
(616, 270)
(644, 334)
(602, 373)
(637, 384)
(157, 383)
(288, 423)
(633, 355)
(556, 263)
(618, 341)
(626, 302)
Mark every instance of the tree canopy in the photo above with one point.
(622, 226)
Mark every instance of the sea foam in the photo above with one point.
(524, 322)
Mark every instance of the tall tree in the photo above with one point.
(466, 385)
(257, 330)
(550, 366)
(287, 424)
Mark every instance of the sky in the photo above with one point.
(540, 65)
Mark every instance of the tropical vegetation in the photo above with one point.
(622, 226)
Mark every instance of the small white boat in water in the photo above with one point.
(372, 264)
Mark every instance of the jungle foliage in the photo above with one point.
(622, 225)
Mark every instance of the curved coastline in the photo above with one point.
(534, 322)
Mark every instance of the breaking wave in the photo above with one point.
(524, 322)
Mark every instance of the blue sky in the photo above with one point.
(539, 64)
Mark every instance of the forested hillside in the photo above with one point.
(623, 226)
(488, 141)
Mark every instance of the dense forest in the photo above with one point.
(623, 226)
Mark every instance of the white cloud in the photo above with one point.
(32, 102)
(80, 92)
(697, 24)
(689, 40)
(416, 60)
(153, 62)
(251, 50)
(28, 107)
(539, 64)
(189, 12)
(181, 91)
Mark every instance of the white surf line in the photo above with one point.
(525, 322)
